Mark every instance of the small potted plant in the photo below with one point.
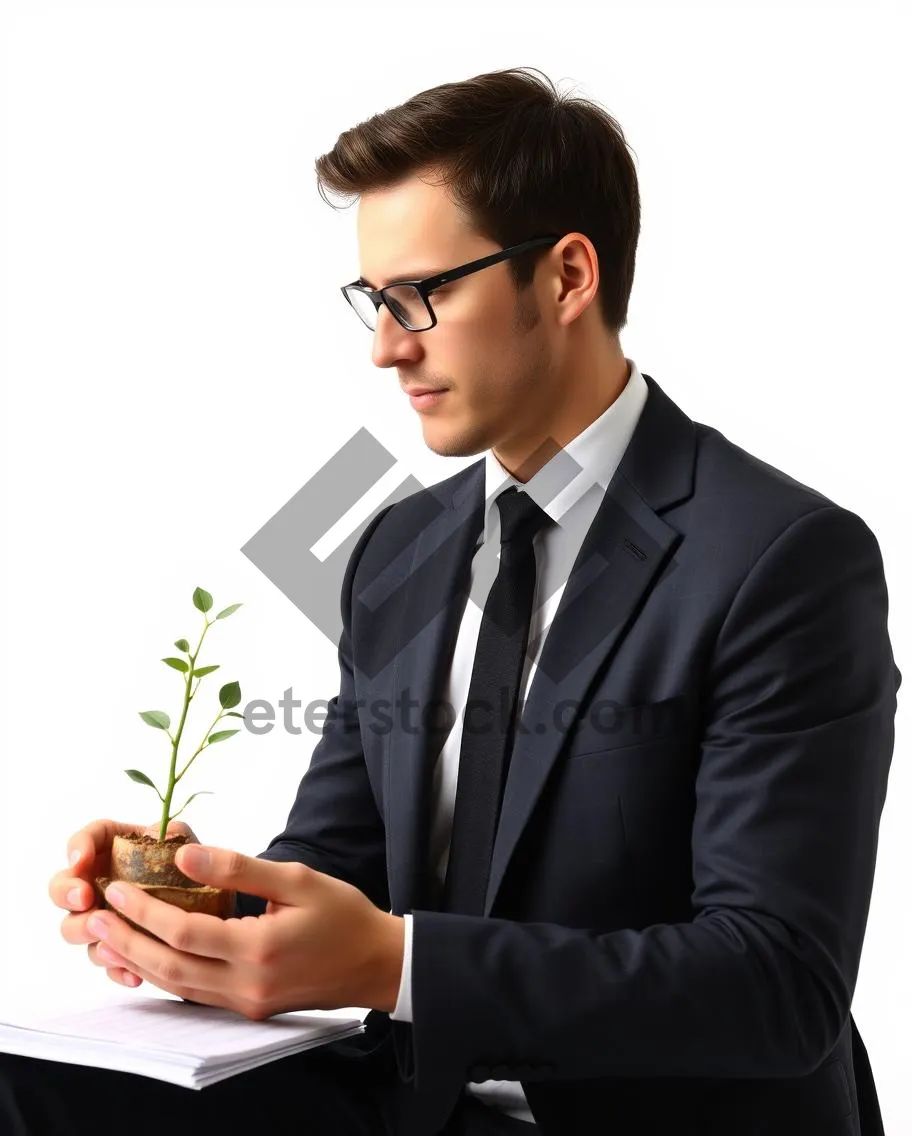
(147, 861)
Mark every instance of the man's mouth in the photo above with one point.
(423, 398)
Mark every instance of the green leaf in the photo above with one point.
(204, 671)
(157, 718)
(137, 775)
(233, 714)
(178, 664)
(189, 799)
(202, 600)
(182, 645)
(228, 611)
(220, 735)
(230, 695)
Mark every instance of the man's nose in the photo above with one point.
(392, 342)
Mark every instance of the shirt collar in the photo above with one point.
(591, 457)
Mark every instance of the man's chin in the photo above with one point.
(450, 443)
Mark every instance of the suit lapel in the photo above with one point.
(623, 551)
(622, 555)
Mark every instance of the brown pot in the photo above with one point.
(149, 865)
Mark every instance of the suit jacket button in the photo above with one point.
(500, 1072)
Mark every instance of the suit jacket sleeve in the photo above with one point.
(334, 825)
(795, 750)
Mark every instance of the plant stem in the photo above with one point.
(172, 780)
(201, 747)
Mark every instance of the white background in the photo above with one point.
(180, 361)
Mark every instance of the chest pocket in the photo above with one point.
(607, 725)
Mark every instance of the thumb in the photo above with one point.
(225, 868)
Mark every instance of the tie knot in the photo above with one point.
(520, 516)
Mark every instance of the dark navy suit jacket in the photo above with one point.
(683, 868)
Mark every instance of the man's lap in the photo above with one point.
(320, 1092)
(312, 1092)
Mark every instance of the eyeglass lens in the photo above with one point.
(404, 300)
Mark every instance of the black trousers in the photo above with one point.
(313, 1093)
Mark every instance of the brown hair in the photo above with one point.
(520, 158)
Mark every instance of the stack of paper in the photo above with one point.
(169, 1039)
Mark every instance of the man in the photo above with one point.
(630, 894)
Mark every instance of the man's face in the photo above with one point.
(490, 347)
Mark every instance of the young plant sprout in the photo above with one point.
(229, 696)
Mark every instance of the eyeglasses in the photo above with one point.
(408, 299)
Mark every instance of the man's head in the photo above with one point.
(527, 349)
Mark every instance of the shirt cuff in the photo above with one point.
(403, 1010)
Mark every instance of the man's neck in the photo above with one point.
(523, 458)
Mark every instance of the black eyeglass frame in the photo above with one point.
(432, 283)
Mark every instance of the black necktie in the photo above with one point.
(488, 730)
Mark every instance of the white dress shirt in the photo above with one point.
(572, 501)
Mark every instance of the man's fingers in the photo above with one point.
(222, 867)
(83, 846)
(117, 973)
(74, 930)
(70, 892)
(88, 853)
(91, 845)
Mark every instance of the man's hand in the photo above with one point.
(73, 888)
(320, 945)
